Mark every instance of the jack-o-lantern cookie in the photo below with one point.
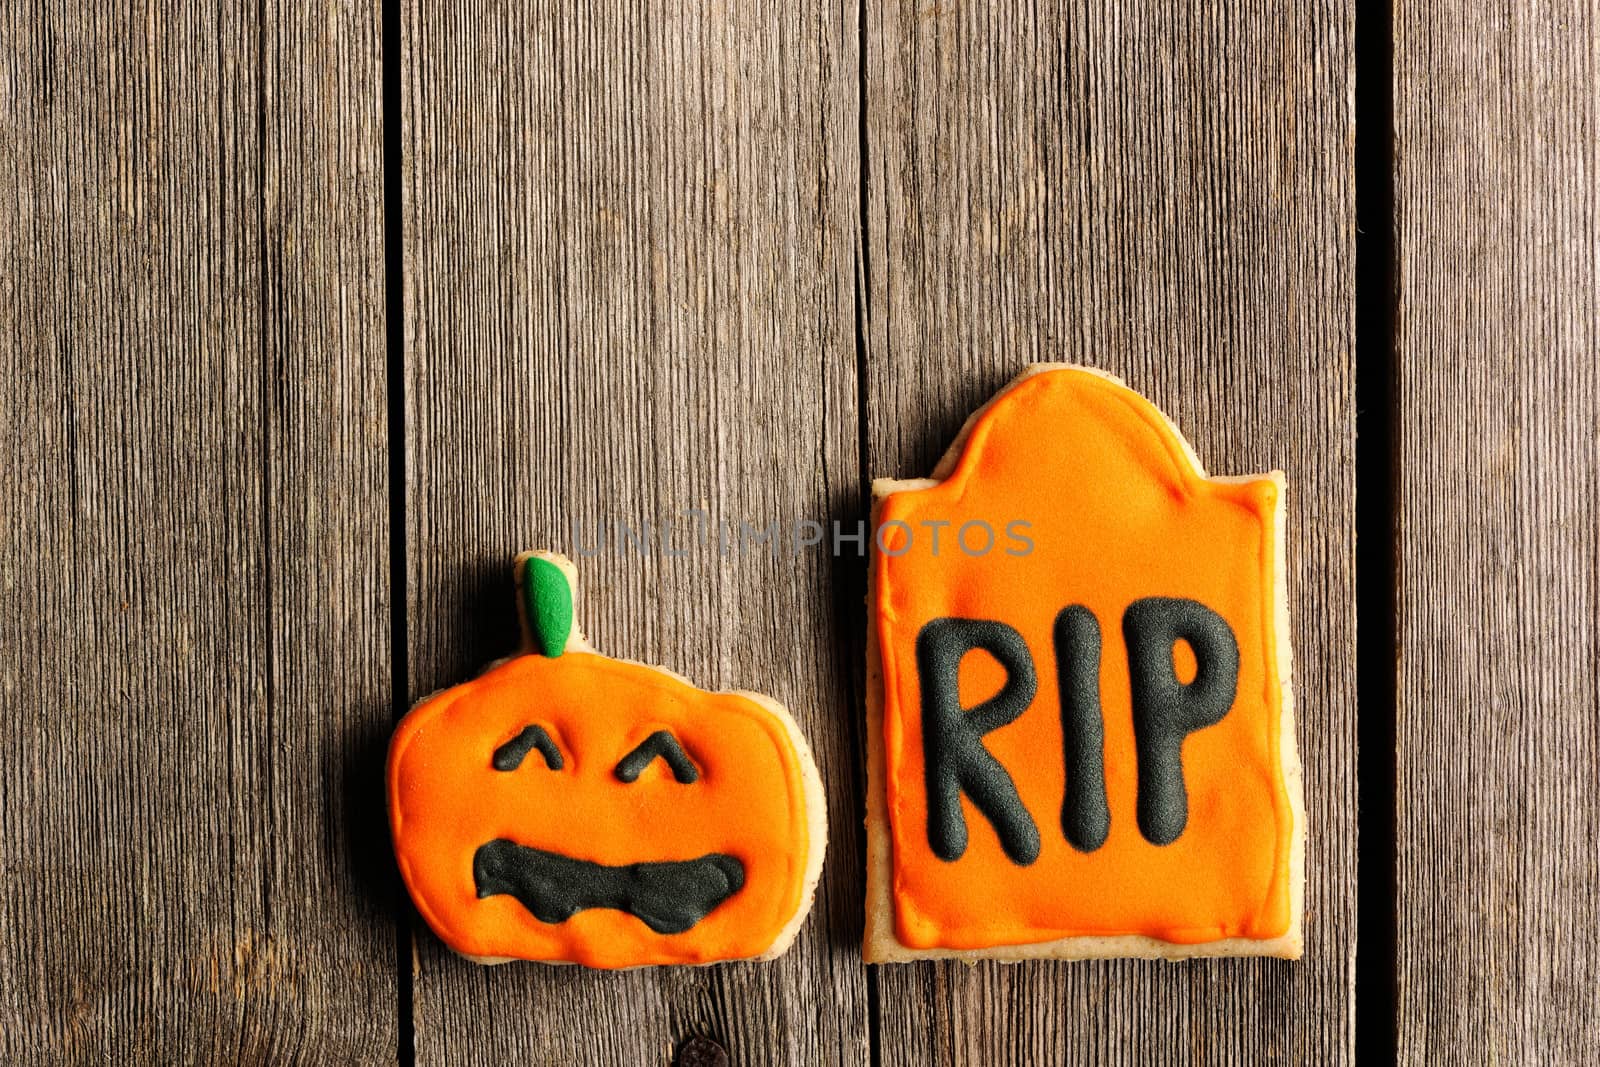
(1081, 731)
(572, 808)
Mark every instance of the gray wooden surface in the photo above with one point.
(739, 259)
(1499, 533)
(194, 628)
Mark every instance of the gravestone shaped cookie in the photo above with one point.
(1080, 726)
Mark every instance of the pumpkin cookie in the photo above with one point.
(1081, 731)
(572, 808)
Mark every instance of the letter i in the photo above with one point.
(1085, 814)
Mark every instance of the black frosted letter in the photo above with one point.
(954, 758)
(1085, 816)
(1165, 710)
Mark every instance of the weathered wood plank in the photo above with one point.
(1167, 194)
(1498, 417)
(193, 540)
(630, 235)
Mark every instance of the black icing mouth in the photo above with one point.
(668, 897)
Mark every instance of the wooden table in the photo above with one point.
(313, 314)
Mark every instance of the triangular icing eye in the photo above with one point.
(509, 756)
(659, 745)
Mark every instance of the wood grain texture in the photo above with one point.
(630, 234)
(1498, 532)
(1167, 195)
(193, 540)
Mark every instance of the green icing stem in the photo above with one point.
(547, 600)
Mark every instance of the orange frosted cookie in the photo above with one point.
(572, 808)
(1081, 731)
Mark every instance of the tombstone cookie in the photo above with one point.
(569, 807)
(1081, 732)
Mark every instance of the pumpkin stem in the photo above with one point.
(546, 605)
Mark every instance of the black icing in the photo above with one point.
(509, 756)
(659, 745)
(954, 758)
(668, 897)
(1085, 814)
(1165, 710)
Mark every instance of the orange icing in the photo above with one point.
(445, 800)
(1118, 512)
